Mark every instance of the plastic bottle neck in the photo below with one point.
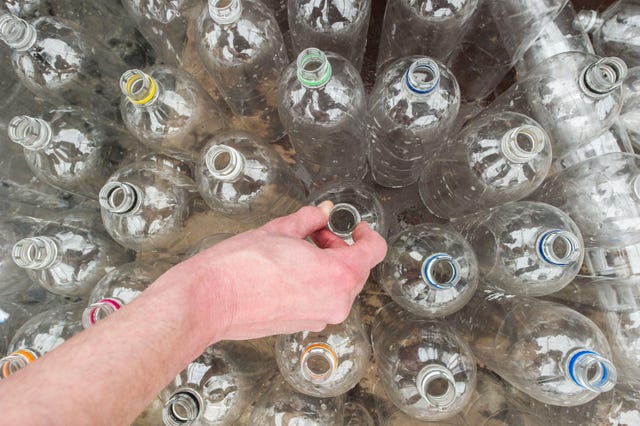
(32, 133)
(559, 247)
(224, 163)
(35, 253)
(17, 33)
(140, 88)
(120, 198)
(422, 77)
(437, 385)
(440, 271)
(318, 362)
(314, 69)
(99, 310)
(588, 21)
(225, 11)
(591, 371)
(603, 76)
(183, 408)
(343, 220)
(15, 361)
(522, 144)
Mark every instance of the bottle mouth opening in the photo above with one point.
(224, 162)
(423, 76)
(225, 11)
(182, 408)
(314, 69)
(437, 386)
(559, 247)
(16, 361)
(603, 76)
(31, 133)
(17, 33)
(99, 310)
(524, 143)
(35, 253)
(139, 87)
(592, 371)
(318, 362)
(343, 220)
(440, 271)
(120, 198)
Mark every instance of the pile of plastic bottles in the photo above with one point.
(137, 133)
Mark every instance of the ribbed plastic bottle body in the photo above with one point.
(630, 112)
(411, 109)
(326, 363)
(216, 387)
(70, 148)
(493, 160)
(241, 176)
(168, 111)
(429, 270)
(497, 36)
(282, 404)
(524, 247)
(426, 369)
(338, 27)
(544, 349)
(558, 36)
(353, 203)
(324, 115)
(407, 24)
(575, 97)
(602, 195)
(245, 58)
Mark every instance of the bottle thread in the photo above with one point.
(35, 253)
(423, 76)
(99, 310)
(313, 68)
(224, 163)
(182, 408)
(437, 385)
(225, 11)
(590, 370)
(15, 361)
(120, 198)
(32, 133)
(140, 88)
(588, 21)
(603, 76)
(559, 247)
(522, 144)
(318, 362)
(440, 271)
(343, 220)
(17, 33)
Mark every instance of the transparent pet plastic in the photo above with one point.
(337, 27)
(242, 48)
(240, 176)
(12, 315)
(423, 27)
(321, 102)
(70, 148)
(353, 203)
(356, 413)
(120, 286)
(544, 349)
(493, 160)
(602, 195)
(630, 112)
(429, 270)
(412, 107)
(425, 368)
(39, 335)
(497, 36)
(575, 97)
(326, 363)
(525, 247)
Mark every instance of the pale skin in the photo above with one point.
(263, 282)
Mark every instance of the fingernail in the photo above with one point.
(326, 207)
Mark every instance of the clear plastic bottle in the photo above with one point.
(60, 62)
(321, 102)
(283, 405)
(120, 286)
(630, 111)
(240, 176)
(326, 363)
(408, 24)
(497, 36)
(167, 110)
(357, 414)
(332, 26)
(412, 107)
(69, 256)
(493, 160)
(353, 203)
(216, 387)
(525, 247)
(575, 96)
(558, 36)
(616, 31)
(39, 335)
(242, 48)
(602, 195)
(70, 148)
(544, 349)
(429, 270)
(12, 315)
(426, 369)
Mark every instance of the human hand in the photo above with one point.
(272, 281)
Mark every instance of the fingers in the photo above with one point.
(327, 239)
(302, 223)
(368, 249)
